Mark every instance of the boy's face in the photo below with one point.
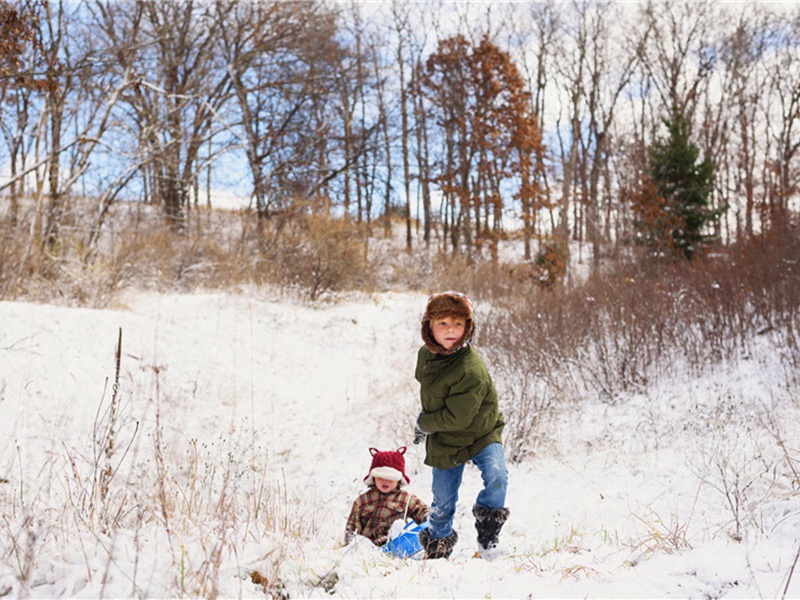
(386, 485)
(447, 331)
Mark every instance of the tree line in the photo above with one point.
(472, 121)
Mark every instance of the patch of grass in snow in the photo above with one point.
(660, 536)
(214, 508)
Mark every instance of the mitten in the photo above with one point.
(419, 435)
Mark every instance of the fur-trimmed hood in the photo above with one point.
(447, 304)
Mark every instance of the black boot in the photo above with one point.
(437, 547)
(489, 522)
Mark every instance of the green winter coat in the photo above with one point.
(459, 406)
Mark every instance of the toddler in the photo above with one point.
(385, 501)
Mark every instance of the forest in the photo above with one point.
(469, 123)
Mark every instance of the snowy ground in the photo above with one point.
(239, 439)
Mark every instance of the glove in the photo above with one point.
(419, 435)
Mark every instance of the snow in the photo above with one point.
(239, 438)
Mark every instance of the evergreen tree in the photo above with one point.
(684, 183)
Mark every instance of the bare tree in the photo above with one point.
(18, 81)
(571, 67)
(172, 50)
(401, 14)
(785, 85)
(610, 65)
(74, 115)
(737, 121)
(421, 152)
(357, 125)
(532, 34)
(277, 55)
(677, 54)
(376, 103)
(14, 125)
(428, 14)
(384, 105)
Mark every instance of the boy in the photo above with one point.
(460, 422)
(375, 510)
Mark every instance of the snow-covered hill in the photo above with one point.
(238, 437)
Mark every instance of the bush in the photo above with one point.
(623, 331)
(315, 255)
(320, 255)
(14, 266)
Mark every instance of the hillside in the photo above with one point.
(237, 439)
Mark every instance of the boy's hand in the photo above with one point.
(419, 435)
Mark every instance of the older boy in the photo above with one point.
(460, 422)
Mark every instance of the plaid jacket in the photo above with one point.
(374, 512)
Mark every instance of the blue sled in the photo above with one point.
(407, 543)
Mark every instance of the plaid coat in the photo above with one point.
(374, 512)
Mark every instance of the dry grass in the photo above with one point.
(613, 334)
(204, 502)
(660, 536)
(306, 255)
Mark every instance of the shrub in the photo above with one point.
(321, 255)
(625, 330)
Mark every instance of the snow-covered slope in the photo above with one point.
(238, 438)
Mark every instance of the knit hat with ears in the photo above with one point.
(447, 304)
(389, 464)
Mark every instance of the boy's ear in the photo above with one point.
(401, 450)
(373, 451)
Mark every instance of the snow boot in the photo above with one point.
(437, 547)
(489, 522)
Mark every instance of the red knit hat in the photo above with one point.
(387, 465)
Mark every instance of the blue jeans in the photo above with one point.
(492, 465)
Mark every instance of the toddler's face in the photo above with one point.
(447, 331)
(386, 485)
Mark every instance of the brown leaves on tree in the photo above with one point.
(491, 134)
(16, 36)
(655, 219)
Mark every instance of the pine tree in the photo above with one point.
(684, 183)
